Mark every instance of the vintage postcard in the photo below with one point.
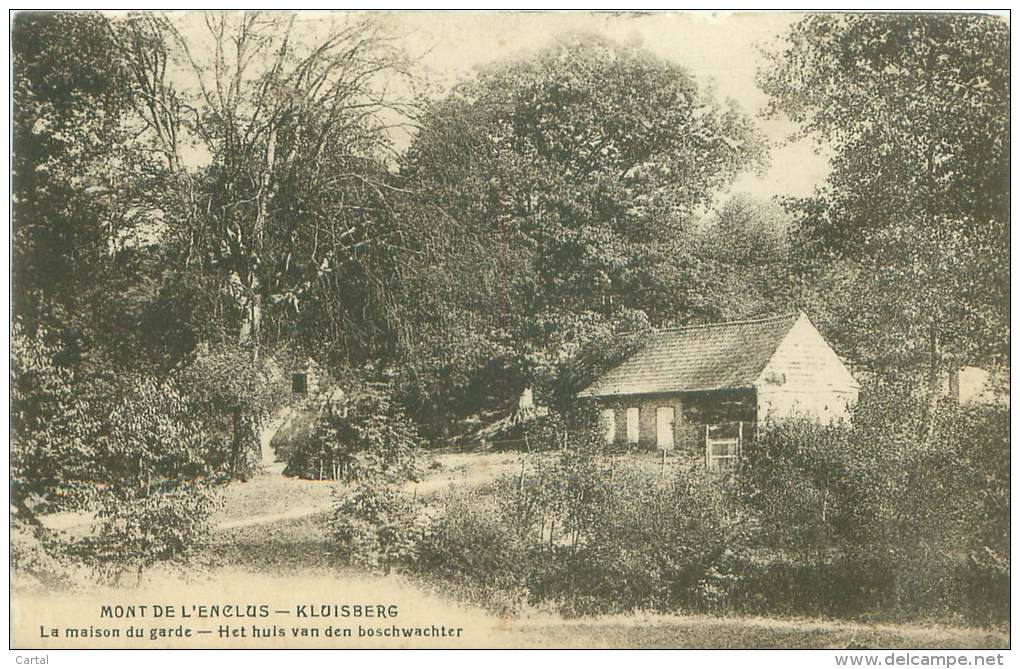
(504, 329)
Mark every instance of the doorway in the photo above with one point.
(665, 418)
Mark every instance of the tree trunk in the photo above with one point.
(525, 406)
(251, 323)
(245, 428)
(265, 192)
(236, 443)
(934, 384)
(251, 305)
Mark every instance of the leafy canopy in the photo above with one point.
(561, 187)
(910, 232)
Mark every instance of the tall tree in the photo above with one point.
(565, 183)
(71, 176)
(291, 204)
(291, 121)
(744, 259)
(910, 232)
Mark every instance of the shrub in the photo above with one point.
(134, 534)
(894, 514)
(795, 475)
(231, 393)
(372, 445)
(375, 526)
(478, 547)
(647, 543)
(588, 536)
(371, 438)
(51, 429)
(126, 446)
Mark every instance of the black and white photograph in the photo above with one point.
(477, 329)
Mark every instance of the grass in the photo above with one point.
(289, 546)
(272, 494)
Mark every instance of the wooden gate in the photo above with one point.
(723, 444)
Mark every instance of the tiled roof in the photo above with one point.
(698, 357)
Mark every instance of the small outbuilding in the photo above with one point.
(710, 385)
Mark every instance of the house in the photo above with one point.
(709, 385)
(305, 376)
(974, 385)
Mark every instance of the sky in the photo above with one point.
(720, 49)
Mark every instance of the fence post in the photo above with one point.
(740, 439)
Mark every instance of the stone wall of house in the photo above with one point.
(692, 412)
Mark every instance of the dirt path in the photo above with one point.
(293, 514)
(271, 497)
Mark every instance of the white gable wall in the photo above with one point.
(805, 377)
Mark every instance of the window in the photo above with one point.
(299, 383)
(633, 424)
(609, 421)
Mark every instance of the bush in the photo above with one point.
(795, 477)
(588, 536)
(52, 426)
(645, 543)
(370, 438)
(885, 517)
(894, 515)
(371, 444)
(126, 446)
(230, 394)
(376, 526)
(133, 535)
(478, 546)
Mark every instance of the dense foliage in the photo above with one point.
(885, 519)
(563, 189)
(371, 445)
(365, 437)
(131, 448)
(864, 521)
(177, 207)
(908, 237)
